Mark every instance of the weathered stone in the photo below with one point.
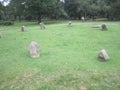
(42, 25)
(34, 50)
(104, 27)
(69, 24)
(83, 19)
(103, 54)
(23, 28)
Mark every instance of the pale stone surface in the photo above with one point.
(69, 24)
(83, 19)
(103, 54)
(23, 28)
(42, 25)
(104, 27)
(34, 50)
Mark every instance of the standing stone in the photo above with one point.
(42, 25)
(103, 54)
(69, 24)
(23, 28)
(1, 35)
(104, 27)
(83, 19)
(34, 50)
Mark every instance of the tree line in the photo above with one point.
(57, 9)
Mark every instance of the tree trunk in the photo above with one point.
(85, 14)
(39, 19)
(15, 17)
(79, 17)
(19, 18)
(93, 18)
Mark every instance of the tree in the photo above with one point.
(78, 8)
(115, 10)
(72, 8)
(17, 8)
(2, 11)
(42, 8)
(56, 9)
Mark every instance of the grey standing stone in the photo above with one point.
(82, 18)
(42, 25)
(23, 28)
(34, 50)
(103, 54)
(104, 27)
(69, 24)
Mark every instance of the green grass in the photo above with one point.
(68, 58)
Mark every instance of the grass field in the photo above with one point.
(69, 57)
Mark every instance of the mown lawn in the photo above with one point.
(69, 57)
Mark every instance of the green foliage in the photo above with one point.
(55, 9)
(69, 57)
(1, 11)
(115, 9)
(6, 23)
(17, 8)
(79, 8)
(42, 8)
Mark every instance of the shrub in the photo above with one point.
(29, 18)
(1, 23)
(6, 23)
